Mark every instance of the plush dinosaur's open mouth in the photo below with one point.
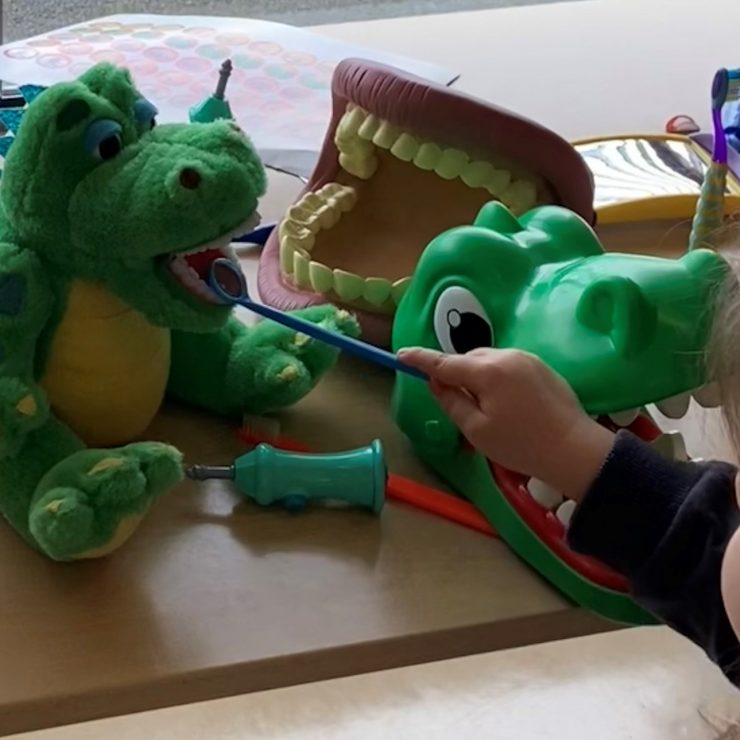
(547, 513)
(192, 268)
(404, 160)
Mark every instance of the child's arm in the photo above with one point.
(665, 525)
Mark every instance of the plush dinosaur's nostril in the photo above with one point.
(189, 178)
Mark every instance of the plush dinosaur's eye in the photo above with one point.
(103, 139)
(460, 322)
(145, 113)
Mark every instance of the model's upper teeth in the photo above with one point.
(359, 137)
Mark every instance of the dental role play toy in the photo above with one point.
(216, 106)
(270, 476)
(623, 330)
(403, 160)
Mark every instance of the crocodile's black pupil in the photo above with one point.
(109, 147)
(468, 331)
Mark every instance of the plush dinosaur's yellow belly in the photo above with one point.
(107, 369)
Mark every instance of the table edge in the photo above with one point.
(316, 665)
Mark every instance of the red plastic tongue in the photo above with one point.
(201, 261)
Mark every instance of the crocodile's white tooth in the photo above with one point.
(675, 407)
(709, 396)
(565, 512)
(624, 418)
(543, 494)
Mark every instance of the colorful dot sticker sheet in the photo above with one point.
(279, 90)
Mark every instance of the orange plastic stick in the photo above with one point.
(438, 502)
(429, 499)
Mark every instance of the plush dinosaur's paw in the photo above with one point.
(91, 503)
(318, 356)
(288, 363)
(22, 409)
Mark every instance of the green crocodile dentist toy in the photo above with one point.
(109, 227)
(623, 330)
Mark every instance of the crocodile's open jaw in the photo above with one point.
(404, 160)
(548, 513)
(192, 268)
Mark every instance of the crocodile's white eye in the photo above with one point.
(460, 322)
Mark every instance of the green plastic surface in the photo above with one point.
(624, 330)
(469, 472)
(211, 109)
(358, 477)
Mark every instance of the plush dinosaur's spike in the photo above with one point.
(31, 92)
(5, 144)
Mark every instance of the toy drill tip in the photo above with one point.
(206, 472)
(223, 77)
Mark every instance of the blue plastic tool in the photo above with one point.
(258, 237)
(227, 281)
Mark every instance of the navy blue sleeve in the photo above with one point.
(665, 526)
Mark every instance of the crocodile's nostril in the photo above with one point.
(189, 178)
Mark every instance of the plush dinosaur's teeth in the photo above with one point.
(675, 407)
(179, 266)
(230, 254)
(186, 274)
(624, 418)
(709, 396)
(544, 495)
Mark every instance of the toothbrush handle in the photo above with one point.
(356, 347)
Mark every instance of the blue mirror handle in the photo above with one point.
(350, 344)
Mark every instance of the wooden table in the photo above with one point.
(643, 684)
(213, 597)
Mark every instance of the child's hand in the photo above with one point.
(519, 413)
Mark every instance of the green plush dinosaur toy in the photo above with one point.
(109, 226)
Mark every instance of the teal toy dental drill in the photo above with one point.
(269, 476)
(216, 106)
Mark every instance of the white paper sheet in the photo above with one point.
(279, 90)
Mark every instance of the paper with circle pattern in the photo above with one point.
(279, 90)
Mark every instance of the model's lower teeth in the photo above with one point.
(363, 140)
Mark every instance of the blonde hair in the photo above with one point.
(723, 346)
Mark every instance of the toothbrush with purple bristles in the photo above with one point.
(711, 203)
